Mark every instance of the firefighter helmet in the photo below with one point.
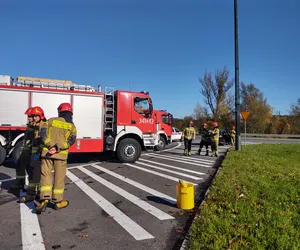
(215, 124)
(28, 111)
(191, 123)
(204, 124)
(233, 127)
(65, 107)
(38, 111)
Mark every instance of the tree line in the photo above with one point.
(220, 107)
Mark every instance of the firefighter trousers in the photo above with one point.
(60, 169)
(22, 167)
(188, 144)
(232, 140)
(214, 147)
(34, 176)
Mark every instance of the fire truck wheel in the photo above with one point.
(2, 154)
(17, 151)
(129, 150)
(161, 144)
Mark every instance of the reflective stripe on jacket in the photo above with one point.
(189, 133)
(56, 132)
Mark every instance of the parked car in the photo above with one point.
(176, 134)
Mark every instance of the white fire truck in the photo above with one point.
(109, 120)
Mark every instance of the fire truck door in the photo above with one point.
(142, 116)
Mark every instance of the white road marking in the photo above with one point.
(156, 173)
(185, 158)
(170, 171)
(128, 224)
(181, 161)
(138, 185)
(134, 199)
(30, 228)
(170, 166)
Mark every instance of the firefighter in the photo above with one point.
(204, 138)
(215, 134)
(189, 134)
(24, 158)
(58, 134)
(35, 163)
(232, 135)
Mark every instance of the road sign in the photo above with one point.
(245, 115)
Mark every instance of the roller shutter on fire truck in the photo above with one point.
(88, 112)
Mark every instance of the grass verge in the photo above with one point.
(254, 201)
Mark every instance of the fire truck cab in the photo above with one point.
(164, 128)
(119, 121)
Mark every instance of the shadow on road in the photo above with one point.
(160, 201)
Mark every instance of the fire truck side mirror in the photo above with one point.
(170, 120)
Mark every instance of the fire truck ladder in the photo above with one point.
(55, 84)
(109, 108)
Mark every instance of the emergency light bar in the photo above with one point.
(145, 92)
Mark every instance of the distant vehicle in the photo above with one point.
(176, 134)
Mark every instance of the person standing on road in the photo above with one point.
(35, 163)
(204, 138)
(189, 134)
(232, 135)
(24, 158)
(58, 134)
(215, 134)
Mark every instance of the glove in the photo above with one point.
(36, 157)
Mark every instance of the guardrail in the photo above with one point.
(270, 135)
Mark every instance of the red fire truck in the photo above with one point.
(109, 120)
(164, 128)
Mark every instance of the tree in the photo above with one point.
(215, 92)
(295, 117)
(200, 113)
(253, 100)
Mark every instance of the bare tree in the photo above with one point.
(215, 92)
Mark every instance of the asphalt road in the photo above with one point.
(112, 205)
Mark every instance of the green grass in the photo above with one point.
(254, 202)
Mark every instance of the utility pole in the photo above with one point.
(237, 81)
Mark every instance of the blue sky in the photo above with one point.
(159, 46)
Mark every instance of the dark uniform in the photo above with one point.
(58, 134)
(204, 139)
(23, 163)
(35, 163)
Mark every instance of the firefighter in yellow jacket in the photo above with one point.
(24, 158)
(189, 134)
(215, 139)
(58, 134)
(35, 162)
(232, 135)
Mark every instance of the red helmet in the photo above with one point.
(204, 124)
(233, 127)
(65, 107)
(28, 111)
(38, 111)
(215, 124)
(191, 122)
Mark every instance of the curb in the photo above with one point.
(197, 214)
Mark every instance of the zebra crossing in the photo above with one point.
(155, 174)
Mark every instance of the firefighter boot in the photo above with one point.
(189, 154)
(61, 205)
(206, 153)
(42, 207)
(185, 152)
(18, 185)
(26, 198)
(199, 151)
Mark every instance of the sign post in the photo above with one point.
(245, 116)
